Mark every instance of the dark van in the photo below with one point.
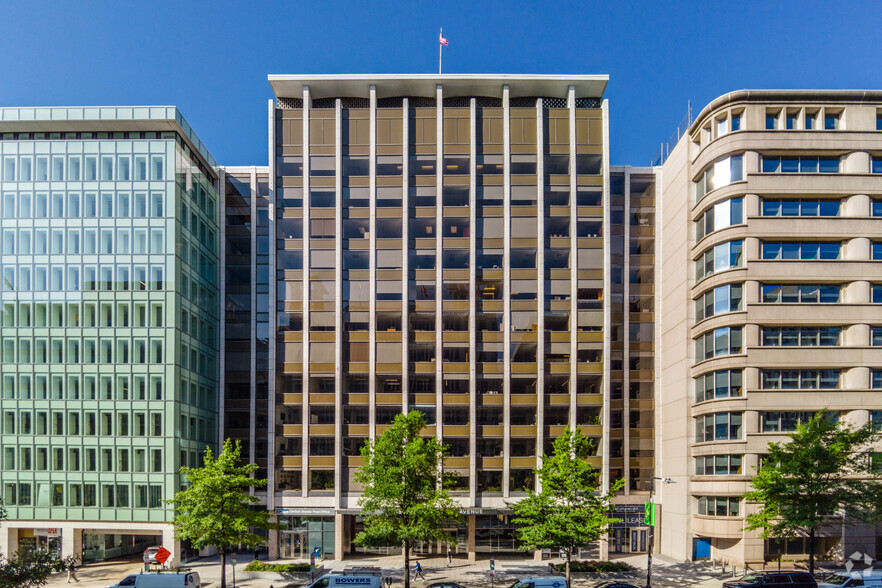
(773, 580)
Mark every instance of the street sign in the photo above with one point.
(162, 555)
(492, 564)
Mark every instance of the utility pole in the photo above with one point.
(651, 509)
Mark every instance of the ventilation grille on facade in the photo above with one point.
(324, 103)
(554, 103)
(457, 102)
(290, 103)
(523, 102)
(587, 102)
(420, 102)
(391, 102)
(352, 102)
(488, 102)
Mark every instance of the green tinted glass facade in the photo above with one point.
(109, 312)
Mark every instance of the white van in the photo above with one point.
(161, 580)
(845, 579)
(347, 581)
(541, 582)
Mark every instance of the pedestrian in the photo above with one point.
(256, 553)
(418, 571)
(449, 557)
(72, 572)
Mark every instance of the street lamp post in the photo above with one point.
(652, 480)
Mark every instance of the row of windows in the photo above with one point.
(801, 293)
(720, 300)
(718, 384)
(717, 343)
(800, 164)
(786, 421)
(120, 241)
(54, 351)
(88, 278)
(720, 216)
(89, 387)
(719, 258)
(800, 250)
(83, 168)
(800, 336)
(519, 258)
(85, 205)
(90, 314)
(794, 118)
(719, 506)
(84, 495)
(817, 379)
(720, 426)
(718, 465)
(719, 174)
(803, 207)
(104, 424)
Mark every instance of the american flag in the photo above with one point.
(442, 40)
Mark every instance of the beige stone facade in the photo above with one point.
(768, 302)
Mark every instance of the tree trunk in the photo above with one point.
(812, 552)
(223, 580)
(406, 548)
(569, 554)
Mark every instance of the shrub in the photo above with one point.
(260, 566)
(596, 566)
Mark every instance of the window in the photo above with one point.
(736, 121)
(800, 336)
(804, 164)
(876, 419)
(783, 422)
(799, 379)
(720, 173)
(803, 293)
(720, 300)
(717, 343)
(772, 119)
(802, 207)
(718, 384)
(831, 120)
(876, 336)
(720, 426)
(875, 379)
(721, 215)
(721, 257)
(788, 250)
(718, 465)
(719, 506)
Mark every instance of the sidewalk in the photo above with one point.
(665, 573)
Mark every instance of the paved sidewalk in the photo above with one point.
(666, 573)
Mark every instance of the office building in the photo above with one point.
(108, 303)
(768, 303)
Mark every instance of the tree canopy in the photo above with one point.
(405, 497)
(30, 570)
(215, 509)
(568, 510)
(824, 470)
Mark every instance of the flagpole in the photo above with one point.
(440, 36)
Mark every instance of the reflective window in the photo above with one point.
(721, 215)
(800, 336)
(800, 164)
(799, 379)
(719, 174)
(718, 384)
(800, 207)
(721, 426)
(717, 343)
(803, 293)
(789, 250)
(722, 299)
(721, 257)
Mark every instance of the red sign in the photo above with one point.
(162, 555)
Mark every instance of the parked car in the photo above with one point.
(843, 579)
(786, 579)
(160, 580)
(347, 581)
(541, 582)
(614, 585)
(150, 554)
(445, 585)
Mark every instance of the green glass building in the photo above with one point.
(108, 324)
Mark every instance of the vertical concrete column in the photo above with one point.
(273, 294)
(306, 232)
(272, 544)
(574, 265)
(222, 286)
(71, 542)
(626, 335)
(470, 537)
(607, 311)
(439, 265)
(8, 540)
(170, 543)
(540, 264)
(506, 285)
(340, 539)
(372, 268)
(473, 326)
(405, 252)
(339, 470)
(252, 402)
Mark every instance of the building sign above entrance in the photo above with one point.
(631, 515)
(305, 512)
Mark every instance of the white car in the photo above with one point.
(845, 579)
(161, 580)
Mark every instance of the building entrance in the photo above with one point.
(292, 545)
(629, 540)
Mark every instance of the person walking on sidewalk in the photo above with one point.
(449, 557)
(418, 571)
(72, 572)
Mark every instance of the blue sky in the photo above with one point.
(211, 59)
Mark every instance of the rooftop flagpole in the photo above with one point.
(440, 47)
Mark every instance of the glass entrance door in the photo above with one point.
(292, 545)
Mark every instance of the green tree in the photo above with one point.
(31, 570)
(568, 510)
(405, 497)
(825, 469)
(215, 509)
